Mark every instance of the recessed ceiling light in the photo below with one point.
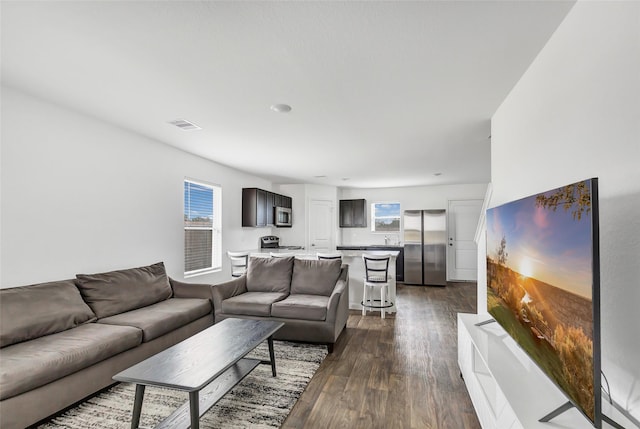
(344, 179)
(281, 108)
(319, 177)
(185, 125)
(437, 174)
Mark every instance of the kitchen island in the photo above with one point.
(382, 247)
(356, 276)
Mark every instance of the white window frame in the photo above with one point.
(374, 217)
(216, 229)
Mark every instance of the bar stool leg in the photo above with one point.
(364, 299)
(382, 301)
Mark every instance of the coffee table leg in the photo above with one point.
(194, 406)
(272, 356)
(137, 406)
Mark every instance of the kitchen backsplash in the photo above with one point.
(364, 236)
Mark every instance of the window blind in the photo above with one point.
(201, 227)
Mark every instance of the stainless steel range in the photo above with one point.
(273, 242)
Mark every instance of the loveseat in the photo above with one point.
(62, 341)
(311, 297)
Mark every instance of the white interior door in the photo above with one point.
(321, 231)
(463, 216)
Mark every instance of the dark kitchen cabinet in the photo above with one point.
(282, 201)
(353, 213)
(271, 203)
(258, 206)
(254, 207)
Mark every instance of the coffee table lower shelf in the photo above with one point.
(211, 394)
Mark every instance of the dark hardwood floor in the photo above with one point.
(400, 372)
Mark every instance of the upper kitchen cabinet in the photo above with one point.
(271, 203)
(353, 213)
(254, 207)
(258, 206)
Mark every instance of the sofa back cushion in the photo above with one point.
(315, 277)
(269, 274)
(29, 312)
(118, 291)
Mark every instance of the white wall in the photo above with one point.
(82, 196)
(575, 114)
(410, 198)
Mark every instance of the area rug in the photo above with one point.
(258, 401)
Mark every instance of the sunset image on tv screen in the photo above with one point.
(540, 283)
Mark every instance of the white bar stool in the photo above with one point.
(329, 256)
(376, 268)
(239, 262)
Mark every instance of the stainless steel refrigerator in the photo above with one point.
(425, 247)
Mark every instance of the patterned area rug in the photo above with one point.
(258, 401)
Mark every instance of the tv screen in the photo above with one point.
(543, 285)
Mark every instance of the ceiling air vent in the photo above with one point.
(185, 125)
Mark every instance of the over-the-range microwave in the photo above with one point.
(282, 216)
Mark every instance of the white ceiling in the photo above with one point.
(383, 93)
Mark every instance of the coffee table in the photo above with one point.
(207, 365)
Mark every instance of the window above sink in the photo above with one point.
(385, 217)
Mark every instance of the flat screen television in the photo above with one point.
(543, 286)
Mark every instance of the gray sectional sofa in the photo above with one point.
(64, 340)
(311, 297)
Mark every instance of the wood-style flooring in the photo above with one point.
(400, 372)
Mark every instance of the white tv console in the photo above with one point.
(508, 390)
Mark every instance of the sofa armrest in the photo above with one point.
(223, 291)
(339, 299)
(190, 290)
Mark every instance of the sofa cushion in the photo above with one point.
(35, 363)
(252, 303)
(162, 317)
(315, 277)
(29, 312)
(269, 274)
(123, 290)
(300, 306)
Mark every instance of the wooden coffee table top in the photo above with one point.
(195, 362)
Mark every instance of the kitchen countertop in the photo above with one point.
(349, 254)
(303, 253)
(371, 247)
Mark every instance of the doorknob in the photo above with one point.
(312, 244)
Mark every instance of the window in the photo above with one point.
(202, 224)
(385, 217)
